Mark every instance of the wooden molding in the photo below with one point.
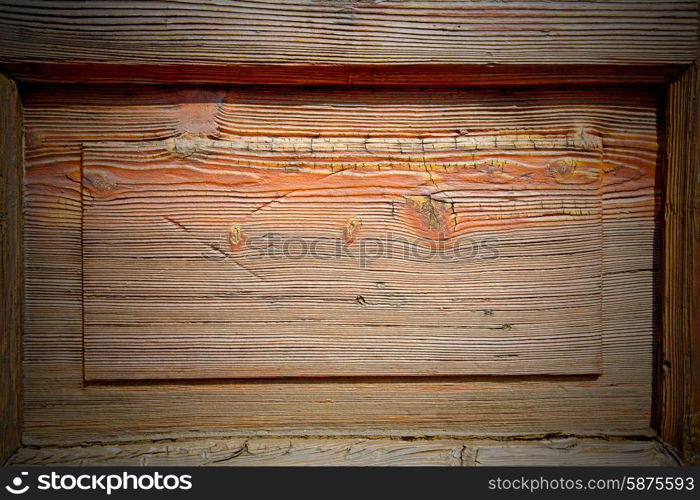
(10, 266)
(353, 452)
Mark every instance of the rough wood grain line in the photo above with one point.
(359, 246)
(11, 257)
(677, 285)
(60, 409)
(352, 452)
(349, 32)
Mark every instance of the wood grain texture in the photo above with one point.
(60, 408)
(297, 256)
(677, 354)
(370, 32)
(11, 257)
(574, 452)
(352, 452)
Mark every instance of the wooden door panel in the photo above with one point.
(341, 256)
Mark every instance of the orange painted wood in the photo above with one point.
(353, 452)
(325, 256)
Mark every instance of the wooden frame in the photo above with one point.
(679, 381)
(470, 44)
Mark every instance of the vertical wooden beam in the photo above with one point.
(679, 342)
(694, 419)
(10, 266)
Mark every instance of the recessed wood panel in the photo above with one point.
(342, 255)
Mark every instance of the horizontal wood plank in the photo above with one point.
(679, 388)
(11, 258)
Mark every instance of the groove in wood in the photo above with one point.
(61, 409)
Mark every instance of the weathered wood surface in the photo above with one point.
(677, 353)
(573, 452)
(362, 32)
(61, 408)
(10, 267)
(322, 256)
(352, 452)
(399, 75)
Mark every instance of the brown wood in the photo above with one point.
(356, 43)
(336, 255)
(397, 75)
(67, 124)
(10, 267)
(353, 452)
(297, 31)
(694, 310)
(677, 351)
